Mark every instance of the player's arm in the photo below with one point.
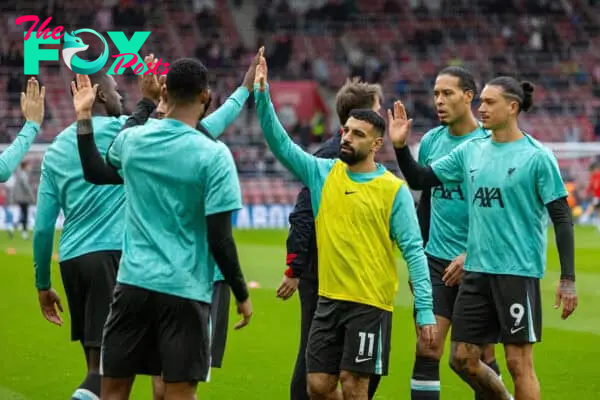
(32, 106)
(222, 197)
(447, 169)
(424, 214)
(406, 233)
(96, 169)
(224, 251)
(300, 236)
(48, 209)
(560, 214)
(552, 192)
(306, 167)
(143, 109)
(84, 97)
(13, 155)
(150, 86)
(218, 121)
(417, 176)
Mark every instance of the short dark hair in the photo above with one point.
(186, 80)
(466, 81)
(356, 94)
(522, 92)
(370, 116)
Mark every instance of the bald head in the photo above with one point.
(107, 96)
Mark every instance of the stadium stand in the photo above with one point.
(401, 44)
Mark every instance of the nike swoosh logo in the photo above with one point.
(472, 170)
(361, 360)
(513, 330)
(347, 192)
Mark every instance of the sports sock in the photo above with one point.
(89, 388)
(425, 382)
(494, 366)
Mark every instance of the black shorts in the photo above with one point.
(152, 333)
(347, 336)
(492, 306)
(89, 281)
(219, 322)
(444, 297)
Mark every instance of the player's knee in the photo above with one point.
(180, 391)
(158, 388)
(318, 386)
(353, 384)
(93, 359)
(488, 354)
(433, 351)
(463, 360)
(519, 364)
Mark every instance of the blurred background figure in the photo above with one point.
(23, 196)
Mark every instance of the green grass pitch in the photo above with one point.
(37, 360)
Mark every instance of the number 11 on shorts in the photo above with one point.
(363, 337)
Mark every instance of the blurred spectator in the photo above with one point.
(14, 56)
(14, 87)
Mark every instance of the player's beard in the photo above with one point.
(351, 158)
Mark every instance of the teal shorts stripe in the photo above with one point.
(379, 361)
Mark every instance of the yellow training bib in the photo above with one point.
(355, 249)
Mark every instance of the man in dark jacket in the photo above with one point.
(302, 271)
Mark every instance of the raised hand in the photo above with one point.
(261, 73)
(84, 96)
(249, 77)
(32, 101)
(151, 84)
(399, 125)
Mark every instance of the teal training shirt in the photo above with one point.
(313, 171)
(216, 123)
(449, 223)
(508, 186)
(174, 178)
(14, 154)
(93, 214)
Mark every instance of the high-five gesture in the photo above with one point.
(261, 73)
(399, 125)
(250, 74)
(84, 96)
(151, 84)
(32, 101)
